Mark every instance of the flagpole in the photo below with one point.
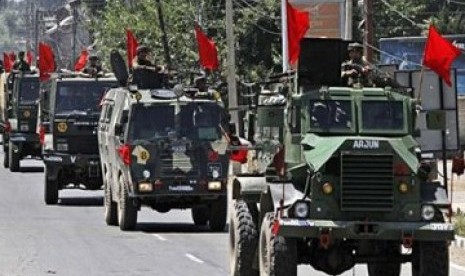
(284, 37)
(420, 84)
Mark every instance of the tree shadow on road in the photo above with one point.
(173, 228)
(81, 201)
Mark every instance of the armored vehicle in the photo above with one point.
(20, 96)
(344, 182)
(68, 118)
(163, 148)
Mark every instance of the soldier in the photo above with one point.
(93, 68)
(142, 62)
(21, 64)
(355, 71)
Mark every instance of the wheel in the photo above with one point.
(111, 208)
(200, 215)
(127, 212)
(13, 158)
(6, 158)
(50, 190)
(277, 254)
(386, 269)
(243, 239)
(218, 215)
(431, 258)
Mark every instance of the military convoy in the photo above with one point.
(164, 148)
(20, 92)
(344, 181)
(69, 111)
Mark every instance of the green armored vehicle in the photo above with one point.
(68, 118)
(20, 139)
(348, 188)
(164, 148)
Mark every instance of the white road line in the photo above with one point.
(160, 237)
(194, 258)
(458, 267)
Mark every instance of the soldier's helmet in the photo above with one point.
(21, 54)
(142, 49)
(355, 46)
(93, 58)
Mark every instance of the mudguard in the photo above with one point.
(285, 191)
(435, 194)
(248, 187)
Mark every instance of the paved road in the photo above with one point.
(72, 238)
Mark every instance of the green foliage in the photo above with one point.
(256, 29)
(459, 223)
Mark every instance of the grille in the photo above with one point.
(177, 164)
(367, 183)
(84, 144)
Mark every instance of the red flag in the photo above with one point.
(131, 43)
(82, 60)
(239, 155)
(298, 23)
(207, 50)
(7, 62)
(29, 57)
(439, 54)
(46, 61)
(12, 57)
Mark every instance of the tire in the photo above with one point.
(243, 239)
(6, 158)
(431, 258)
(13, 158)
(127, 212)
(386, 269)
(277, 254)
(111, 208)
(218, 215)
(200, 215)
(50, 190)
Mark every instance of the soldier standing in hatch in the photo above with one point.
(93, 68)
(21, 64)
(142, 62)
(356, 70)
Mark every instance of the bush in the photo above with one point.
(459, 223)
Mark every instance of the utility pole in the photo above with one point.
(348, 25)
(74, 6)
(232, 90)
(284, 36)
(164, 37)
(369, 30)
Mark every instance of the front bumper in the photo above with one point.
(360, 230)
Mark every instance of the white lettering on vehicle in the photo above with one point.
(181, 188)
(53, 158)
(366, 144)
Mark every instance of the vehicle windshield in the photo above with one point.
(29, 91)
(382, 115)
(194, 121)
(201, 121)
(83, 96)
(151, 122)
(330, 115)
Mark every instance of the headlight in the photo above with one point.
(146, 173)
(301, 209)
(62, 146)
(215, 173)
(327, 188)
(427, 212)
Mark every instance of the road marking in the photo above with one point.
(458, 267)
(194, 258)
(160, 237)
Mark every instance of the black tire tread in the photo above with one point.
(111, 209)
(127, 218)
(246, 240)
(283, 251)
(218, 215)
(13, 159)
(50, 190)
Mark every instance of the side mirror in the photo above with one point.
(118, 129)
(436, 120)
